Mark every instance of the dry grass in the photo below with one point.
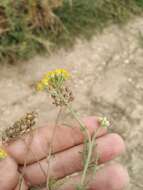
(21, 23)
(25, 25)
(35, 14)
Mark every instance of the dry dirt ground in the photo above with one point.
(107, 80)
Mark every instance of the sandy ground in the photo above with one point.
(107, 80)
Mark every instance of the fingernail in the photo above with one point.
(104, 122)
(3, 154)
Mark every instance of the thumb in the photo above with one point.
(8, 171)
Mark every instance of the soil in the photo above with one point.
(107, 80)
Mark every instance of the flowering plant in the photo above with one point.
(55, 84)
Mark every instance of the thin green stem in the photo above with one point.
(82, 125)
(87, 163)
(91, 144)
(91, 140)
(51, 148)
(89, 157)
(86, 133)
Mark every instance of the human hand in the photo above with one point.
(66, 160)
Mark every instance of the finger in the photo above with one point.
(21, 185)
(65, 137)
(8, 173)
(71, 160)
(110, 177)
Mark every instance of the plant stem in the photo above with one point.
(90, 151)
(82, 125)
(91, 144)
(50, 148)
(83, 128)
(86, 133)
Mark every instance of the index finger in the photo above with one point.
(36, 146)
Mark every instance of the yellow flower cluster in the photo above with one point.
(53, 79)
(3, 154)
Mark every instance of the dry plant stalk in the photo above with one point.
(19, 128)
(3, 21)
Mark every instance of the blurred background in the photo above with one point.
(99, 41)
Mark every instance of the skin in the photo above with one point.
(67, 159)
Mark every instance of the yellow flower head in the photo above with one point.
(53, 79)
(3, 154)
